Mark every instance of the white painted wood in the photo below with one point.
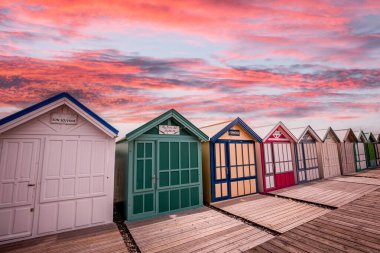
(71, 168)
(52, 106)
(18, 170)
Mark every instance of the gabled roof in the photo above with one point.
(36, 110)
(361, 136)
(322, 133)
(370, 137)
(167, 115)
(273, 129)
(301, 132)
(344, 134)
(217, 130)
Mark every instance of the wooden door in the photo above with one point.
(283, 165)
(179, 175)
(330, 160)
(74, 184)
(235, 171)
(221, 182)
(269, 167)
(360, 155)
(18, 175)
(301, 170)
(371, 155)
(377, 146)
(311, 161)
(144, 178)
(348, 158)
(242, 171)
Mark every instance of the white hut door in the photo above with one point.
(301, 163)
(269, 166)
(18, 173)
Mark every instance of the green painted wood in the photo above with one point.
(371, 155)
(138, 204)
(164, 173)
(190, 128)
(163, 200)
(177, 188)
(174, 200)
(185, 197)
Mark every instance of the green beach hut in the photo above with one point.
(162, 167)
(371, 142)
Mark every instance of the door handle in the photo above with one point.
(31, 184)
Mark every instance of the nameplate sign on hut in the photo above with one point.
(277, 134)
(233, 132)
(169, 130)
(64, 118)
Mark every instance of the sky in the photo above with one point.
(302, 62)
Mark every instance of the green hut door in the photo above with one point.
(144, 185)
(178, 175)
(167, 176)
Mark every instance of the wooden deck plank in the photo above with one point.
(274, 213)
(370, 173)
(360, 180)
(201, 230)
(329, 192)
(103, 238)
(354, 227)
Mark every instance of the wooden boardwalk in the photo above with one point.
(274, 213)
(104, 238)
(198, 230)
(354, 227)
(328, 192)
(372, 173)
(359, 180)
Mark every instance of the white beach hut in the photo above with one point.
(56, 169)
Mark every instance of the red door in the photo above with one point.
(283, 170)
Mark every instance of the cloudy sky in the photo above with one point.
(302, 62)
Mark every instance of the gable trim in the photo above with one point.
(235, 122)
(312, 132)
(49, 104)
(169, 114)
(280, 124)
(332, 132)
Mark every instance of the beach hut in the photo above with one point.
(377, 149)
(306, 154)
(56, 169)
(361, 152)
(230, 160)
(371, 149)
(163, 166)
(328, 152)
(278, 157)
(347, 150)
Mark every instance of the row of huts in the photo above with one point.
(168, 162)
(58, 170)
